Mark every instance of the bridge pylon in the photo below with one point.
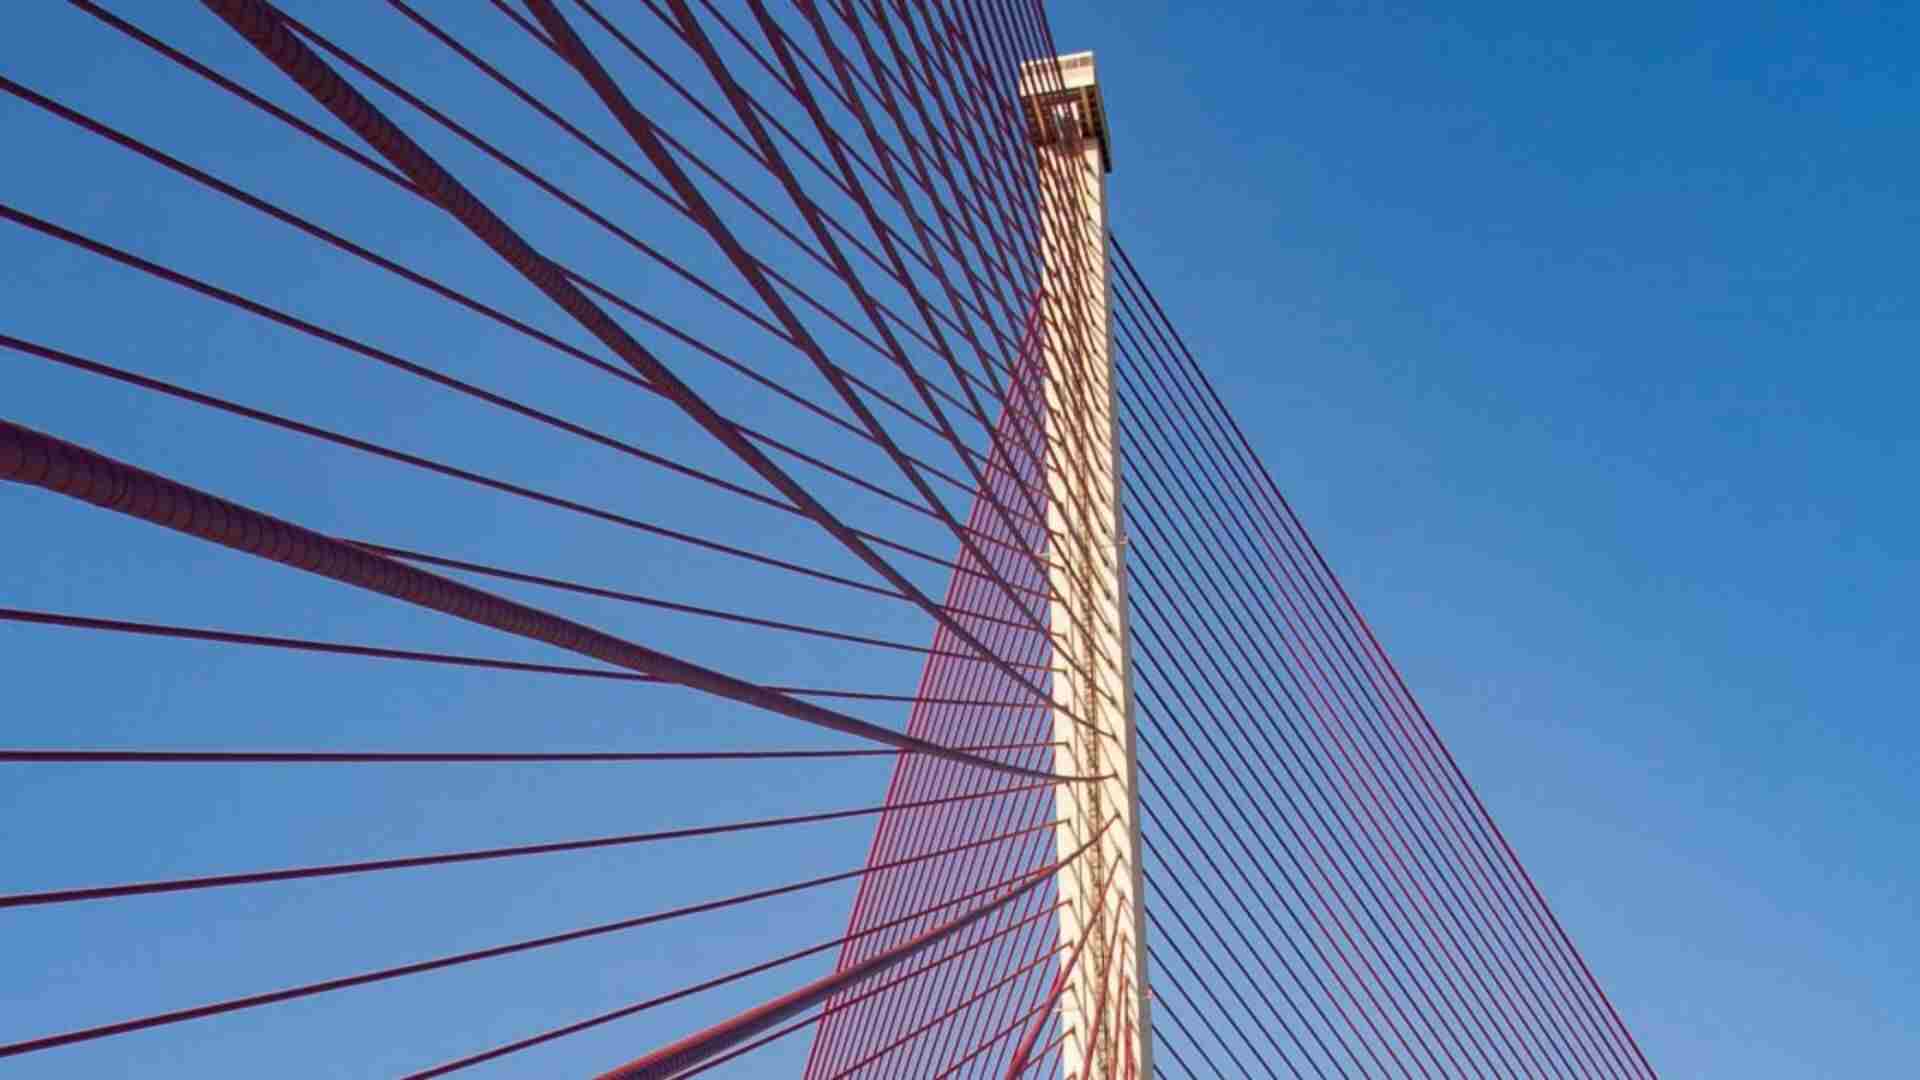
(1103, 999)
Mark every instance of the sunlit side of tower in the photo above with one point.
(1104, 1002)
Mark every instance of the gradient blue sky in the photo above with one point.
(1581, 337)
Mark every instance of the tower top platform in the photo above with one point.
(1069, 80)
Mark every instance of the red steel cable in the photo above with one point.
(955, 1010)
(1529, 1013)
(228, 637)
(1399, 843)
(1379, 658)
(368, 866)
(256, 101)
(993, 1039)
(890, 839)
(1421, 839)
(532, 101)
(467, 757)
(1345, 843)
(262, 27)
(672, 605)
(675, 1057)
(1399, 884)
(30, 457)
(675, 995)
(102, 1031)
(1025, 1047)
(1374, 781)
(648, 140)
(428, 464)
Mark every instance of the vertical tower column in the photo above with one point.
(1103, 1005)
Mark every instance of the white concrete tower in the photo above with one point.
(1104, 1004)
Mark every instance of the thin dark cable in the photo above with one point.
(415, 460)
(333, 239)
(254, 100)
(227, 637)
(30, 457)
(261, 877)
(102, 1031)
(1420, 845)
(262, 27)
(383, 757)
(688, 991)
(1376, 655)
(644, 135)
(672, 1059)
(669, 605)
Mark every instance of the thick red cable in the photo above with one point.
(868, 1017)
(893, 185)
(460, 386)
(452, 471)
(955, 1010)
(334, 239)
(1009, 811)
(1042, 1056)
(32, 458)
(909, 892)
(891, 1015)
(672, 605)
(826, 1012)
(968, 1005)
(993, 1039)
(667, 998)
(261, 26)
(644, 135)
(1023, 645)
(816, 1061)
(676, 1057)
(382, 170)
(932, 679)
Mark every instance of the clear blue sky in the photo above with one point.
(1583, 337)
(1580, 337)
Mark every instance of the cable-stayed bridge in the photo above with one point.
(654, 537)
